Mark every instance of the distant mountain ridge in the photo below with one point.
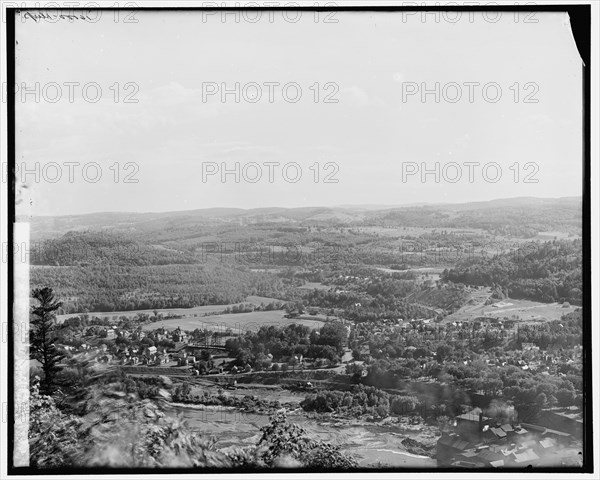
(426, 215)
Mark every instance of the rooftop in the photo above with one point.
(472, 416)
(526, 456)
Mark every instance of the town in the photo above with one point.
(472, 362)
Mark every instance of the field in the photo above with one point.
(187, 312)
(314, 285)
(399, 232)
(524, 310)
(424, 273)
(238, 322)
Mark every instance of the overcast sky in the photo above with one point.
(367, 59)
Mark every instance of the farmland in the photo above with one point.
(239, 322)
(185, 312)
(521, 310)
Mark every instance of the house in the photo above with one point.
(180, 334)
(151, 350)
(482, 457)
(160, 359)
(449, 445)
(525, 456)
(498, 432)
(138, 335)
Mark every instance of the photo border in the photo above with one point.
(580, 16)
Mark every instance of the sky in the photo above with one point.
(341, 118)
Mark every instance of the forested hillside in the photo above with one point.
(549, 273)
(108, 288)
(109, 262)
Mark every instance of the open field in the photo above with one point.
(315, 285)
(423, 273)
(238, 322)
(399, 232)
(187, 312)
(523, 310)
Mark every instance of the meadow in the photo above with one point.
(238, 322)
(186, 312)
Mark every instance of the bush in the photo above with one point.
(288, 445)
(565, 397)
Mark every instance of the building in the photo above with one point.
(566, 420)
(472, 425)
(507, 445)
(151, 350)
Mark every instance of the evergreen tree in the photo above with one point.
(42, 339)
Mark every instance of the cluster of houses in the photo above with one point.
(482, 442)
(148, 355)
(103, 348)
(429, 329)
(175, 348)
(122, 355)
(429, 325)
(113, 332)
(544, 361)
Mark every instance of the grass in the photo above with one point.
(525, 310)
(198, 311)
(238, 322)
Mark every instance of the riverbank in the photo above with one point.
(373, 444)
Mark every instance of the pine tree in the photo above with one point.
(42, 339)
